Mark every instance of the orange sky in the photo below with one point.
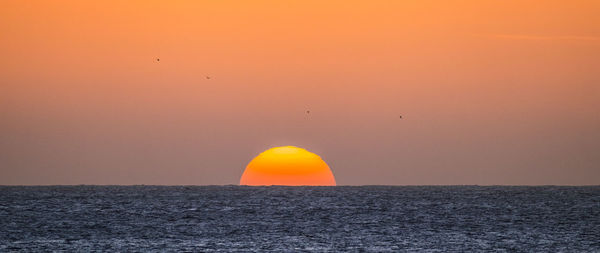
(492, 92)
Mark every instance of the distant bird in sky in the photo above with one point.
(157, 59)
(400, 116)
(307, 111)
(207, 77)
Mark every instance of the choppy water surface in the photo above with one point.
(229, 218)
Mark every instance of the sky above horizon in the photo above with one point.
(490, 92)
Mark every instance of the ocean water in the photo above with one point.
(238, 218)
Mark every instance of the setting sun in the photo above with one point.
(287, 166)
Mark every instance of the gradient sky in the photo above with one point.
(492, 92)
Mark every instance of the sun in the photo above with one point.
(287, 165)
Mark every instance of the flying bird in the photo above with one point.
(207, 77)
(157, 59)
(307, 112)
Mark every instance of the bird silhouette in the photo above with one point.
(157, 59)
(207, 77)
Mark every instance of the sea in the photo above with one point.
(300, 219)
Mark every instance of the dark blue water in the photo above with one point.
(230, 218)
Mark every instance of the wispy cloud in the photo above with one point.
(543, 37)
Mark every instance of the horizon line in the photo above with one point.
(220, 185)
